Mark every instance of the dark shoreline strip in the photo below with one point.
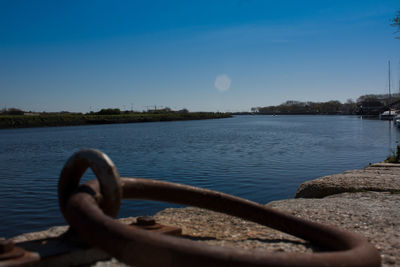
(25, 121)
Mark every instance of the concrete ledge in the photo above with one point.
(384, 164)
(379, 178)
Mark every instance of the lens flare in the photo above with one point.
(222, 82)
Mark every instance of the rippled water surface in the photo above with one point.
(261, 158)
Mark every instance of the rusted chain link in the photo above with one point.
(138, 247)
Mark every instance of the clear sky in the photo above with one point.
(200, 55)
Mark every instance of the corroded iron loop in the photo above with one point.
(109, 197)
(138, 247)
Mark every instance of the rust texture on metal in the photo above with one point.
(6, 245)
(145, 221)
(83, 209)
(17, 256)
(9, 252)
(150, 224)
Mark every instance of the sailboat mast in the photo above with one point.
(390, 96)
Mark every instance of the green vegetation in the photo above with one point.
(297, 107)
(11, 111)
(395, 157)
(109, 111)
(365, 105)
(68, 119)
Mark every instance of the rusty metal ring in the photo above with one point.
(109, 199)
(142, 248)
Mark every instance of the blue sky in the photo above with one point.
(199, 55)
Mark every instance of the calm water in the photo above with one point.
(261, 158)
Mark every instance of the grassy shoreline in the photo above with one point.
(48, 120)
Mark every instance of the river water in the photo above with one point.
(261, 158)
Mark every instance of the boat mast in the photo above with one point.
(390, 96)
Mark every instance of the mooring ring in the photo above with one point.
(110, 182)
(138, 247)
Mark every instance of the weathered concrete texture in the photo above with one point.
(384, 164)
(219, 229)
(49, 233)
(375, 215)
(56, 231)
(57, 249)
(380, 177)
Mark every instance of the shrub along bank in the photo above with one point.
(46, 120)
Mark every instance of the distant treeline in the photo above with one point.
(117, 111)
(365, 105)
(297, 107)
(69, 119)
(104, 111)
